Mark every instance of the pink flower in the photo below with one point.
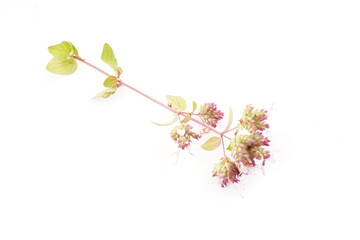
(253, 120)
(210, 115)
(182, 135)
(227, 171)
(246, 148)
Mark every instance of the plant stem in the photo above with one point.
(230, 130)
(223, 146)
(194, 114)
(152, 99)
(90, 65)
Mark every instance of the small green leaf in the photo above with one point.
(106, 93)
(187, 118)
(194, 105)
(110, 82)
(168, 123)
(212, 143)
(61, 50)
(230, 119)
(63, 67)
(176, 102)
(118, 71)
(74, 51)
(108, 57)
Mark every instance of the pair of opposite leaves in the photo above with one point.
(64, 63)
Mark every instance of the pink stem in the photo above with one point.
(230, 130)
(223, 145)
(152, 99)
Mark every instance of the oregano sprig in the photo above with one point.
(243, 150)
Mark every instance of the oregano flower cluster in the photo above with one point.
(227, 171)
(182, 135)
(210, 115)
(246, 148)
(246, 143)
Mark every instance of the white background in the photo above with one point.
(76, 168)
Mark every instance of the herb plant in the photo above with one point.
(245, 149)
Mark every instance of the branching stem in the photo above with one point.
(154, 100)
(230, 130)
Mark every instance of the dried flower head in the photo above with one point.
(182, 135)
(253, 120)
(210, 115)
(227, 171)
(246, 148)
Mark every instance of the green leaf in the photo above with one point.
(176, 102)
(168, 123)
(74, 51)
(110, 82)
(187, 118)
(212, 143)
(108, 57)
(61, 50)
(106, 93)
(118, 71)
(194, 105)
(230, 120)
(62, 67)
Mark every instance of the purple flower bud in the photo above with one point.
(182, 135)
(253, 120)
(210, 115)
(246, 148)
(227, 171)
